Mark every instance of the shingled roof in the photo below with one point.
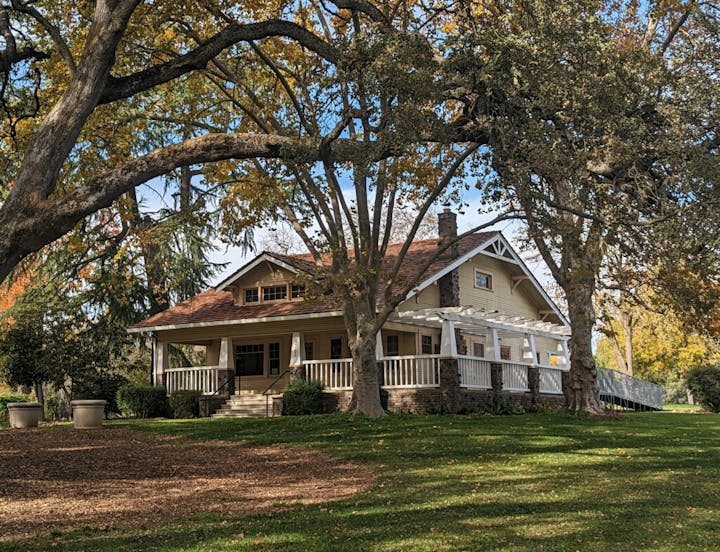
(218, 306)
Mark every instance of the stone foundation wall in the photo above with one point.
(431, 400)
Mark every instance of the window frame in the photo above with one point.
(387, 345)
(277, 287)
(489, 277)
(423, 343)
(274, 371)
(251, 290)
(503, 350)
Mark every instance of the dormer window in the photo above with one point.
(274, 293)
(252, 295)
(297, 291)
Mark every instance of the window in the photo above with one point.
(274, 293)
(479, 350)
(309, 350)
(252, 296)
(335, 348)
(274, 359)
(297, 291)
(393, 345)
(483, 280)
(249, 360)
(505, 352)
(426, 344)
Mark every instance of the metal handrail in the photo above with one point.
(265, 393)
(207, 402)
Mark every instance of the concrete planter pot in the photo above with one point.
(88, 414)
(24, 414)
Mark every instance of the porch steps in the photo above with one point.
(245, 405)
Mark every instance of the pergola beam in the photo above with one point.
(467, 316)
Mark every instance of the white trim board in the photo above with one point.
(289, 317)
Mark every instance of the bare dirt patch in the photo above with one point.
(60, 479)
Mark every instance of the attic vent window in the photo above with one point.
(251, 296)
(297, 291)
(483, 280)
(274, 293)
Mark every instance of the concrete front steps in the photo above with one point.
(246, 404)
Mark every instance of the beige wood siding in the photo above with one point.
(501, 297)
(426, 299)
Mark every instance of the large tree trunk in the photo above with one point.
(360, 315)
(583, 393)
(366, 386)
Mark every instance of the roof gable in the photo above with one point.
(497, 247)
(281, 261)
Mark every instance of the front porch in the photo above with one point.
(414, 351)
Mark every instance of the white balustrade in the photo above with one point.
(200, 378)
(411, 371)
(336, 374)
(551, 381)
(515, 376)
(474, 372)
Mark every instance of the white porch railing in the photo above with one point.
(474, 372)
(515, 376)
(416, 371)
(200, 378)
(333, 374)
(551, 381)
(411, 371)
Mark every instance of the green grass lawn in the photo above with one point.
(533, 482)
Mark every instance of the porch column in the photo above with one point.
(563, 348)
(565, 374)
(297, 356)
(379, 352)
(448, 343)
(226, 364)
(160, 362)
(449, 375)
(494, 344)
(529, 349)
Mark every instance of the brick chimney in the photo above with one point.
(447, 230)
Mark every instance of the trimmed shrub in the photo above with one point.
(143, 401)
(4, 399)
(102, 386)
(185, 404)
(704, 383)
(302, 397)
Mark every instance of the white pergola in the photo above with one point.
(489, 323)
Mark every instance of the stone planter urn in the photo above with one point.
(24, 414)
(88, 414)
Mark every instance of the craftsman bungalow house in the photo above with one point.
(257, 325)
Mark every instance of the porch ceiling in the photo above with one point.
(471, 319)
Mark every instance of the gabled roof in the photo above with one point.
(293, 263)
(217, 306)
